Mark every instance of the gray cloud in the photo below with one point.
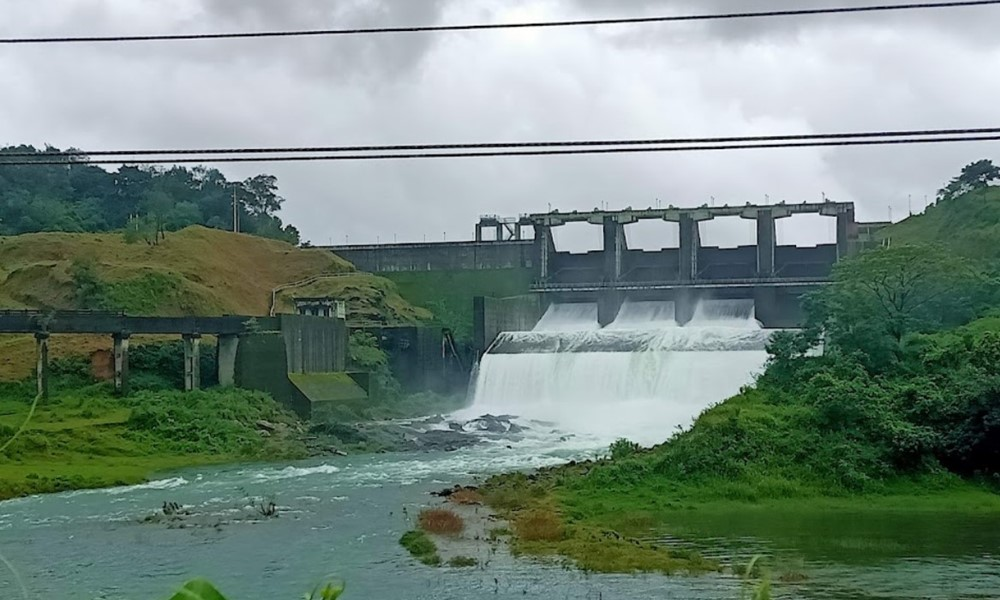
(517, 85)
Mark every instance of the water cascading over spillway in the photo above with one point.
(640, 377)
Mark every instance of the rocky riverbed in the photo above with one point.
(432, 434)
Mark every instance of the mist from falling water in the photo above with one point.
(568, 372)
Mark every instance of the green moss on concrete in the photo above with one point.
(449, 294)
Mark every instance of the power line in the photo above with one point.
(500, 153)
(507, 145)
(493, 26)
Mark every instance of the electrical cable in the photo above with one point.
(505, 153)
(840, 10)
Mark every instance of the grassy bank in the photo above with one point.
(87, 438)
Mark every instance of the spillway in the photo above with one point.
(641, 377)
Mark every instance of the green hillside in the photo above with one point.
(195, 271)
(970, 224)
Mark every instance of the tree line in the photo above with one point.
(144, 202)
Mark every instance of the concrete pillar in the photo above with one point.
(690, 244)
(767, 238)
(609, 304)
(42, 368)
(543, 245)
(500, 232)
(685, 303)
(192, 361)
(226, 354)
(614, 246)
(847, 234)
(121, 343)
(479, 233)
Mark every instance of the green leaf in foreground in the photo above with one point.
(198, 589)
(329, 591)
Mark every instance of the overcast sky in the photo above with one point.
(933, 69)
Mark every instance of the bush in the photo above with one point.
(623, 449)
(421, 547)
(441, 521)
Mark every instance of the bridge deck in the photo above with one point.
(93, 322)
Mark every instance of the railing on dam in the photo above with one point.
(677, 285)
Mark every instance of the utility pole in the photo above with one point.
(236, 213)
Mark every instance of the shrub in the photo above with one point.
(421, 547)
(623, 449)
(441, 521)
(461, 562)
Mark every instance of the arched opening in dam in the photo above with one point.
(640, 377)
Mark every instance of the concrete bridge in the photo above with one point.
(307, 344)
(773, 276)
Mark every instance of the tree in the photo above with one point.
(974, 176)
(881, 296)
(260, 195)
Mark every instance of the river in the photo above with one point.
(343, 517)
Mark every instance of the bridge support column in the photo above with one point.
(685, 303)
(766, 243)
(226, 355)
(847, 233)
(765, 306)
(690, 244)
(192, 362)
(614, 246)
(609, 304)
(42, 368)
(121, 344)
(543, 249)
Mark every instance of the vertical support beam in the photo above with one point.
(614, 243)
(543, 245)
(499, 232)
(767, 238)
(228, 346)
(685, 302)
(690, 244)
(609, 304)
(42, 368)
(121, 344)
(847, 234)
(479, 233)
(192, 361)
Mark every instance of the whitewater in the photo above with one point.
(642, 377)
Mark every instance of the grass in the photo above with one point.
(448, 294)
(89, 438)
(539, 525)
(441, 521)
(463, 562)
(421, 546)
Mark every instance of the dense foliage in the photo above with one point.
(142, 201)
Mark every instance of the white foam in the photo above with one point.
(666, 378)
(295, 472)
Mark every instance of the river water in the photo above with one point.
(343, 517)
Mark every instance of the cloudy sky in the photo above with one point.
(932, 69)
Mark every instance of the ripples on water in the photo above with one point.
(344, 516)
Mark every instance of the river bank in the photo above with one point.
(85, 437)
